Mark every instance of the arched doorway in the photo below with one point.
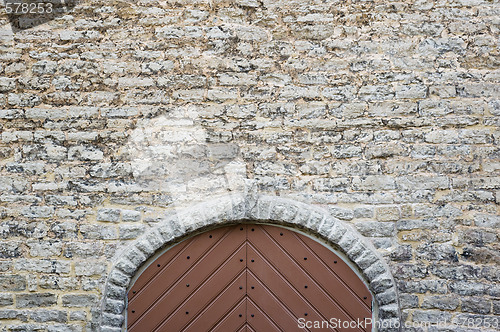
(248, 277)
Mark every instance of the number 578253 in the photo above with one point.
(17, 8)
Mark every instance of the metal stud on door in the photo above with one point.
(247, 278)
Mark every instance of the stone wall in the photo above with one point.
(122, 113)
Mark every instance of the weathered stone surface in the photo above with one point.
(45, 248)
(90, 268)
(431, 316)
(9, 314)
(65, 327)
(78, 316)
(112, 215)
(35, 300)
(10, 249)
(130, 231)
(384, 115)
(408, 301)
(390, 213)
(375, 228)
(6, 300)
(82, 300)
(58, 283)
(43, 266)
(49, 316)
(476, 305)
(402, 253)
(408, 271)
(468, 288)
(440, 302)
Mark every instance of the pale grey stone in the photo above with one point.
(35, 300)
(90, 268)
(78, 300)
(49, 316)
(12, 283)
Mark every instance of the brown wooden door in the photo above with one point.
(248, 278)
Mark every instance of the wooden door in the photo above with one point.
(249, 277)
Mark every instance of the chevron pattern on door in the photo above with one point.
(247, 277)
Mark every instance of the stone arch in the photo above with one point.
(258, 208)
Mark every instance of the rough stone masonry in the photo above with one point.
(384, 113)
